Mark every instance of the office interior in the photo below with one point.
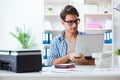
(22, 13)
(31, 14)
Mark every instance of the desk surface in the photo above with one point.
(73, 73)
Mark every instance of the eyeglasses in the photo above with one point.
(71, 22)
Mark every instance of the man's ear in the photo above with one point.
(62, 22)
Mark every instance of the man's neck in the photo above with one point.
(71, 36)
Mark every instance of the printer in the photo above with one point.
(20, 61)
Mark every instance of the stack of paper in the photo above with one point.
(103, 60)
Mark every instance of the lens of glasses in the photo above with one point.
(71, 22)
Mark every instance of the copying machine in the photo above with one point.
(20, 61)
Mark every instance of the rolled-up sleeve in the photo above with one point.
(57, 50)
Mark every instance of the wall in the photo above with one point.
(20, 13)
(116, 31)
(116, 26)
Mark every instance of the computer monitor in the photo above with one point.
(89, 43)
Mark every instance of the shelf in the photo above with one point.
(54, 6)
(52, 15)
(99, 6)
(46, 45)
(52, 10)
(98, 14)
(99, 21)
(98, 31)
(57, 1)
(52, 30)
(96, 1)
(94, 13)
(107, 44)
(104, 30)
(107, 47)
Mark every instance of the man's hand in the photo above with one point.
(81, 60)
(78, 59)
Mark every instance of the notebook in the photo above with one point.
(89, 43)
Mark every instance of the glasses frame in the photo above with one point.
(71, 22)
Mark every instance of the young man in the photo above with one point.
(62, 47)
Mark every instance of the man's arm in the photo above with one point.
(62, 60)
(82, 60)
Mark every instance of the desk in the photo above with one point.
(78, 73)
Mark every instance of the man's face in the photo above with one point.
(71, 23)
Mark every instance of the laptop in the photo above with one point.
(89, 43)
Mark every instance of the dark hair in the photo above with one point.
(68, 9)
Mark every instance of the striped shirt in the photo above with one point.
(57, 48)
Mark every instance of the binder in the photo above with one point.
(108, 37)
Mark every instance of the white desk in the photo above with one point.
(78, 73)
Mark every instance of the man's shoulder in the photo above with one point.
(80, 32)
(58, 37)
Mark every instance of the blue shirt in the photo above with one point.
(57, 48)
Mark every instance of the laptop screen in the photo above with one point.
(89, 43)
